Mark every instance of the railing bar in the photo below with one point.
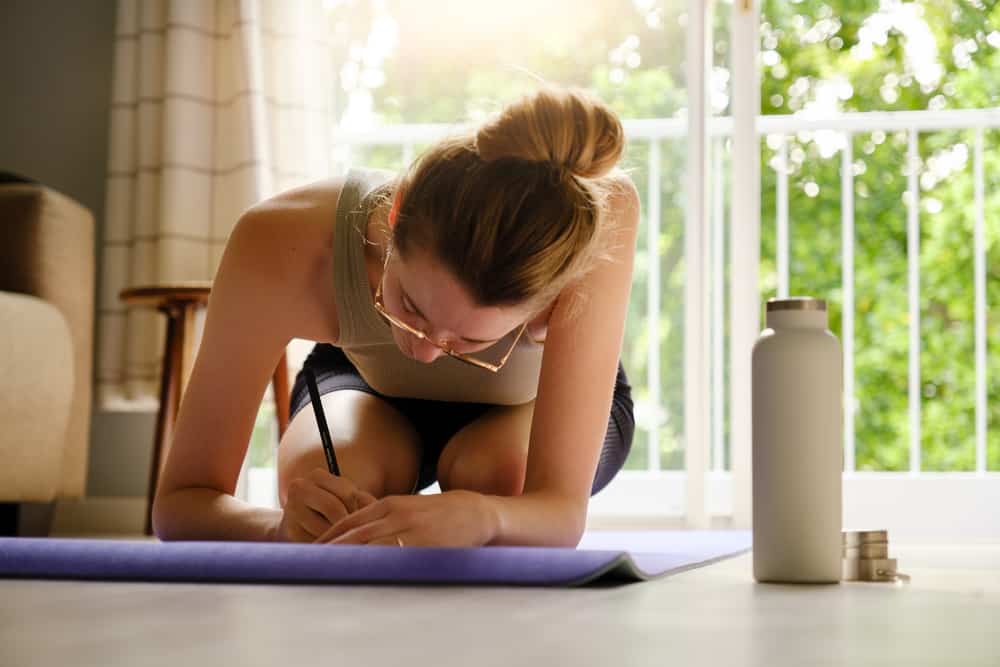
(407, 153)
(653, 302)
(782, 197)
(847, 319)
(980, 282)
(718, 322)
(921, 121)
(913, 261)
(665, 128)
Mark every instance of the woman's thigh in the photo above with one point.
(377, 448)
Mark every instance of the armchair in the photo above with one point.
(47, 275)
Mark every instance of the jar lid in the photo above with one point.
(796, 303)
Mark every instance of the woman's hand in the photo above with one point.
(456, 518)
(316, 502)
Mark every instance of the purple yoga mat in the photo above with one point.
(601, 556)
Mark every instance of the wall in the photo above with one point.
(55, 87)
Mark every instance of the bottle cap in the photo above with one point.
(796, 303)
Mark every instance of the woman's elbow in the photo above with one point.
(163, 518)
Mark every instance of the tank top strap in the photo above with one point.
(359, 322)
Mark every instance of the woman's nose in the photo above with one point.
(426, 351)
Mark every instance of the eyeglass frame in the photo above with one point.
(379, 305)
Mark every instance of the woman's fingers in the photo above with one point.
(328, 505)
(350, 494)
(331, 498)
(364, 517)
(300, 533)
(319, 501)
(380, 531)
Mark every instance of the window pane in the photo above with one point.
(821, 57)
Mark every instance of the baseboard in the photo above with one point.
(99, 515)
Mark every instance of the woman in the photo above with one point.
(469, 320)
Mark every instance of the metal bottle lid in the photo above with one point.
(796, 303)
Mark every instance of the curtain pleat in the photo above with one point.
(216, 104)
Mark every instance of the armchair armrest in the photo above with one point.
(36, 364)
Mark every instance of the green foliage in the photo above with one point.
(263, 439)
(881, 328)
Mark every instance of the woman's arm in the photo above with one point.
(574, 397)
(246, 330)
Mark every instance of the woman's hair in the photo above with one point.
(516, 209)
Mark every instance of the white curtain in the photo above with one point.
(216, 104)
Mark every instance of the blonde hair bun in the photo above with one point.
(567, 127)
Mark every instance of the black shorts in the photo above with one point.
(437, 421)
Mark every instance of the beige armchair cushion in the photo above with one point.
(36, 364)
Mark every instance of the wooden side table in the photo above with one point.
(178, 301)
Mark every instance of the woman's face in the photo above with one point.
(419, 291)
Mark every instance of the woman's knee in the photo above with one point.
(375, 446)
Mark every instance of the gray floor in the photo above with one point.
(949, 614)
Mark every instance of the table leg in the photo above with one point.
(188, 347)
(169, 403)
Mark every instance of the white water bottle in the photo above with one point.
(797, 398)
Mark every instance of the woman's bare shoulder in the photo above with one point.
(311, 204)
(292, 232)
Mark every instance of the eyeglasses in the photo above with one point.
(493, 366)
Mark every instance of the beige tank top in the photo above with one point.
(366, 338)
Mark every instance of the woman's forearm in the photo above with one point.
(209, 514)
(536, 520)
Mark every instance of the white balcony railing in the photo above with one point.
(623, 496)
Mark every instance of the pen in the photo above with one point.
(324, 432)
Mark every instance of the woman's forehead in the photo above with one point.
(446, 304)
